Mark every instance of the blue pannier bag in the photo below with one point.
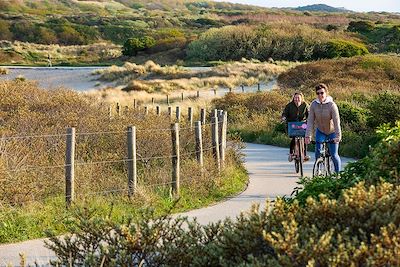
(297, 128)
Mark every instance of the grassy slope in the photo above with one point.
(190, 17)
(33, 220)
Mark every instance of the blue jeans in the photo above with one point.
(333, 148)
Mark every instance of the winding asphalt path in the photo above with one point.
(271, 175)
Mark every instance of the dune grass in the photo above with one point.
(151, 77)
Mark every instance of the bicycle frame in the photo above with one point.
(323, 165)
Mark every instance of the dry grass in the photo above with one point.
(294, 18)
(32, 169)
(345, 77)
(3, 71)
(151, 77)
(38, 53)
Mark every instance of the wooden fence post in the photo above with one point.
(190, 116)
(110, 111)
(146, 110)
(215, 141)
(242, 88)
(199, 144)
(222, 141)
(170, 112)
(203, 116)
(175, 159)
(134, 104)
(167, 99)
(182, 96)
(178, 114)
(215, 92)
(70, 167)
(258, 87)
(152, 100)
(118, 110)
(132, 171)
(158, 112)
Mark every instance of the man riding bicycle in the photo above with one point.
(296, 110)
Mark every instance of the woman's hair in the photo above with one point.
(321, 86)
(300, 94)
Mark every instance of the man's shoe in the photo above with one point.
(290, 158)
(306, 158)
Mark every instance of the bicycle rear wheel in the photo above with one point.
(301, 155)
(319, 167)
(296, 165)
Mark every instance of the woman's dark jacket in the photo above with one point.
(294, 113)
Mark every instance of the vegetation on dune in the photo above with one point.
(352, 224)
(193, 31)
(32, 156)
(151, 77)
(366, 75)
(278, 41)
(366, 90)
(383, 37)
(29, 53)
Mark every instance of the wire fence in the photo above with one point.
(88, 169)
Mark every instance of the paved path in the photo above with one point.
(271, 175)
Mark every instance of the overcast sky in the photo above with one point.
(355, 5)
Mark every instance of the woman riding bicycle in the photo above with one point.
(296, 110)
(324, 116)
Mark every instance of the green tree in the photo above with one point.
(133, 45)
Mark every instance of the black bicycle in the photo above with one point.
(297, 131)
(298, 154)
(323, 165)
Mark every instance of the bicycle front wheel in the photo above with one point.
(319, 167)
(330, 167)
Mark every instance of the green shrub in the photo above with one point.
(133, 45)
(361, 228)
(381, 163)
(384, 108)
(5, 33)
(68, 35)
(356, 143)
(361, 26)
(343, 48)
(352, 115)
(119, 34)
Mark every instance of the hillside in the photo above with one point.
(165, 31)
(321, 8)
